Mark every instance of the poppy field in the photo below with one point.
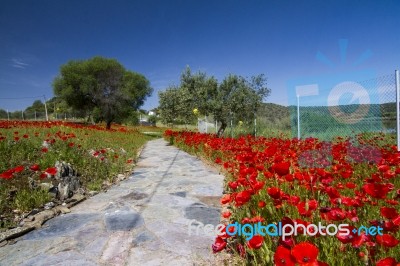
(30, 150)
(352, 181)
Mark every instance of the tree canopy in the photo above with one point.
(235, 97)
(101, 87)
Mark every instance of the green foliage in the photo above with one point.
(37, 106)
(176, 106)
(27, 199)
(235, 98)
(102, 87)
(3, 114)
(152, 119)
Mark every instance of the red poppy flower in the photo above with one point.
(18, 169)
(226, 199)
(282, 257)
(255, 242)
(388, 261)
(281, 168)
(289, 242)
(44, 149)
(7, 174)
(218, 245)
(306, 208)
(261, 204)
(274, 192)
(336, 214)
(396, 220)
(51, 171)
(389, 213)
(226, 214)
(35, 167)
(43, 176)
(233, 185)
(242, 198)
(347, 238)
(387, 240)
(359, 240)
(350, 185)
(305, 252)
(376, 190)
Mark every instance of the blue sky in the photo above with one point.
(159, 38)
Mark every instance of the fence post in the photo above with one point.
(8, 115)
(45, 108)
(298, 116)
(397, 109)
(205, 120)
(255, 126)
(22, 113)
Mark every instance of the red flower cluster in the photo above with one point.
(345, 181)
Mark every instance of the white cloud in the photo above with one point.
(18, 63)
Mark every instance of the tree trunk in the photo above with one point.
(108, 126)
(222, 129)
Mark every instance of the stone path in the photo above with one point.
(142, 221)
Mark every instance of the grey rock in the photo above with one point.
(203, 213)
(68, 186)
(122, 220)
(15, 232)
(49, 205)
(64, 169)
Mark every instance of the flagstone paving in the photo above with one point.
(144, 220)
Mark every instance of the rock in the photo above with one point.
(33, 184)
(45, 186)
(49, 205)
(106, 184)
(40, 218)
(120, 177)
(62, 209)
(53, 191)
(69, 182)
(75, 200)
(68, 186)
(15, 232)
(92, 193)
(64, 169)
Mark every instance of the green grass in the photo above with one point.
(96, 154)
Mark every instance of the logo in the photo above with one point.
(337, 104)
(279, 229)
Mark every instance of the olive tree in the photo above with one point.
(101, 86)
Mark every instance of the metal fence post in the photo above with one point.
(205, 120)
(45, 108)
(255, 126)
(397, 109)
